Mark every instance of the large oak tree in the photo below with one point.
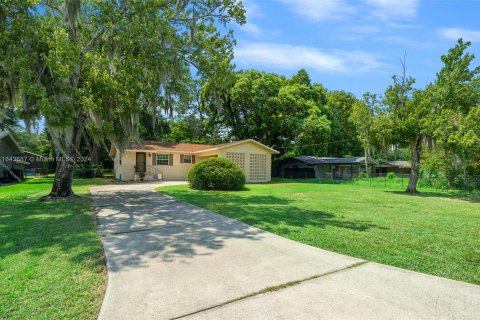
(92, 65)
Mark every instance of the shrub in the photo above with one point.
(362, 175)
(216, 174)
(87, 170)
(390, 176)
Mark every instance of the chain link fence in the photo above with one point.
(468, 183)
(77, 173)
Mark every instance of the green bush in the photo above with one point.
(362, 175)
(391, 176)
(216, 174)
(87, 170)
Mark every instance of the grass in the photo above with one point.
(51, 258)
(433, 232)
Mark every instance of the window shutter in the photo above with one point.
(170, 159)
(193, 159)
(181, 158)
(154, 159)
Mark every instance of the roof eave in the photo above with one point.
(9, 135)
(228, 145)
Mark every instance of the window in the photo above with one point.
(163, 160)
(186, 158)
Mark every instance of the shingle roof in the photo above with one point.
(168, 146)
(187, 147)
(4, 134)
(329, 160)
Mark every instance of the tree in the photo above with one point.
(314, 135)
(409, 111)
(343, 131)
(363, 117)
(91, 65)
(263, 106)
(455, 97)
(8, 119)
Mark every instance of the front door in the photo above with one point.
(141, 165)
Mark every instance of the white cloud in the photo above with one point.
(456, 33)
(319, 10)
(295, 57)
(252, 29)
(394, 9)
(252, 9)
(385, 10)
(404, 40)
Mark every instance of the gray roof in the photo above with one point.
(5, 134)
(327, 160)
(397, 164)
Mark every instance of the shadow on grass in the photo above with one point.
(40, 228)
(36, 228)
(150, 225)
(269, 212)
(463, 196)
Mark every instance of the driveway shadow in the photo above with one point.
(138, 227)
(177, 244)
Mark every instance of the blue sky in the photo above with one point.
(354, 45)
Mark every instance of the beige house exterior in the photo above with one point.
(156, 160)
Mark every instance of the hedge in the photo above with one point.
(216, 174)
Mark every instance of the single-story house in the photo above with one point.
(157, 160)
(321, 167)
(399, 167)
(38, 164)
(12, 164)
(308, 167)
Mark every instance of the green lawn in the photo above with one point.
(435, 232)
(51, 258)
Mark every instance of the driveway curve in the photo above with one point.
(168, 259)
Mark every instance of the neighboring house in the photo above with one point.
(36, 161)
(321, 168)
(307, 167)
(12, 164)
(152, 160)
(398, 167)
(38, 164)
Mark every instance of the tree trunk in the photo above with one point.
(366, 161)
(415, 148)
(95, 152)
(62, 185)
(66, 141)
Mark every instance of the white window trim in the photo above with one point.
(168, 159)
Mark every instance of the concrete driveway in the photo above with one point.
(168, 260)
